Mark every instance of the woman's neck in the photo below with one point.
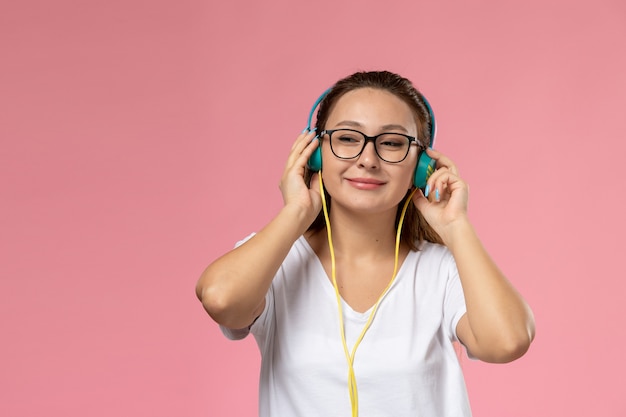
(363, 235)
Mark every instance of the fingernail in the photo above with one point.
(426, 190)
(314, 129)
(306, 129)
(437, 194)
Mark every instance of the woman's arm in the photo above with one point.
(232, 288)
(499, 325)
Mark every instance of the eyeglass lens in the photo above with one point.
(348, 144)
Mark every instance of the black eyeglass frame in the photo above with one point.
(373, 140)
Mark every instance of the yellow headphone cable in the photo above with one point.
(352, 387)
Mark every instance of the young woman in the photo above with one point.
(358, 288)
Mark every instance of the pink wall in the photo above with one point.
(140, 140)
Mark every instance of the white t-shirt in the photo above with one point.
(406, 365)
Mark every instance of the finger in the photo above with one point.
(442, 160)
(303, 139)
(302, 148)
(420, 201)
(439, 184)
(309, 149)
(315, 184)
(448, 164)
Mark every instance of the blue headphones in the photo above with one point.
(425, 164)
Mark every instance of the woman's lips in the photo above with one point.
(365, 183)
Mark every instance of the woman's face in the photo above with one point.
(367, 184)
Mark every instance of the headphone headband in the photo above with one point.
(317, 103)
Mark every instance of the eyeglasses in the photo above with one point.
(349, 144)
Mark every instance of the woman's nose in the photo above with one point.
(369, 157)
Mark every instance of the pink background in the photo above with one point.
(141, 139)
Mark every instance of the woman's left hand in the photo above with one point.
(446, 198)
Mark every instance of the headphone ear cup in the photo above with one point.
(315, 161)
(424, 169)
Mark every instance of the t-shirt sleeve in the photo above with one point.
(235, 334)
(454, 304)
(261, 326)
(454, 301)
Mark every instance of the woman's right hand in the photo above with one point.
(292, 186)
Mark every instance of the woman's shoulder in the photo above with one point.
(432, 250)
(314, 239)
(426, 245)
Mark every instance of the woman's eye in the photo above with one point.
(348, 139)
(393, 142)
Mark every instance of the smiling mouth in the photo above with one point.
(366, 181)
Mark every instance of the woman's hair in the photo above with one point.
(415, 229)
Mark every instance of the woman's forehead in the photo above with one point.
(370, 107)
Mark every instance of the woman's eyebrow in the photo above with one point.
(350, 123)
(395, 127)
(382, 128)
